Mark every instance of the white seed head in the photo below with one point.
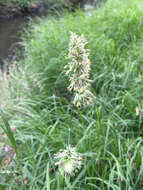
(78, 70)
(69, 161)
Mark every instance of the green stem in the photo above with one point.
(64, 182)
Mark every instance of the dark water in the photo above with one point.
(9, 35)
(10, 30)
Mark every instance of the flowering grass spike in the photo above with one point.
(78, 70)
(69, 161)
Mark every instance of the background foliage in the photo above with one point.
(48, 2)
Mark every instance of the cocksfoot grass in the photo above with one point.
(108, 131)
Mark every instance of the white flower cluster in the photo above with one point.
(78, 70)
(68, 161)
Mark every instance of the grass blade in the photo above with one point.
(6, 127)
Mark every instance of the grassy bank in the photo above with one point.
(108, 132)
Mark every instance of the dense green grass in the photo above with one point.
(108, 133)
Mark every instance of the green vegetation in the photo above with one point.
(52, 4)
(107, 132)
(9, 8)
(21, 3)
(12, 7)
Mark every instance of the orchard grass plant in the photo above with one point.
(106, 144)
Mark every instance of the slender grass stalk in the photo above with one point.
(64, 181)
(47, 178)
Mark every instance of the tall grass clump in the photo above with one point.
(107, 132)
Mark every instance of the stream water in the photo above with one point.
(9, 35)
